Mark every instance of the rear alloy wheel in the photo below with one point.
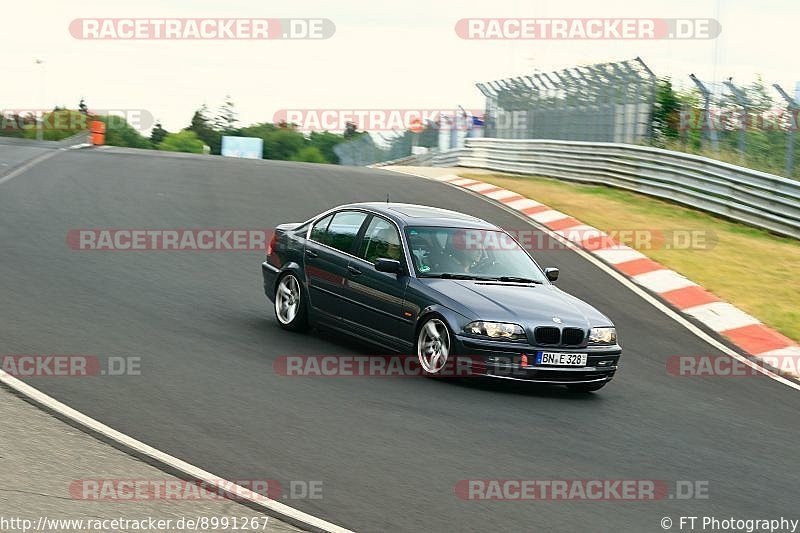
(290, 306)
(433, 346)
(586, 387)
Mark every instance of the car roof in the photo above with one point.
(422, 215)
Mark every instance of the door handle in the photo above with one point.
(311, 254)
(353, 270)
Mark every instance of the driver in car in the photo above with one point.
(465, 258)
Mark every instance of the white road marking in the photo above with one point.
(27, 166)
(523, 203)
(581, 232)
(788, 351)
(619, 254)
(721, 316)
(663, 280)
(501, 194)
(266, 504)
(271, 507)
(548, 216)
(480, 187)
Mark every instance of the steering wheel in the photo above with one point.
(483, 265)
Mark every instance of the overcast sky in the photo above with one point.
(383, 54)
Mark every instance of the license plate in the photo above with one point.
(561, 359)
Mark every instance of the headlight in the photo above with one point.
(496, 330)
(603, 336)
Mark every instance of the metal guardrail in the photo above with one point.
(450, 158)
(756, 198)
(408, 160)
(429, 159)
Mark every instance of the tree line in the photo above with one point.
(678, 122)
(204, 133)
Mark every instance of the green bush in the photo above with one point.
(184, 141)
(60, 124)
(309, 154)
(283, 143)
(325, 142)
(120, 133)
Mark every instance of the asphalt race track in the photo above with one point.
(388, 451)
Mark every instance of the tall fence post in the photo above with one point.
(708, 124)
(792, 107)
(651, 101)
(742, 100)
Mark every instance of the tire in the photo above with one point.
(586, 387)
(433, 346)
(291, 310)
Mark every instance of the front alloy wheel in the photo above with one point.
(433, 346)
(290, 307)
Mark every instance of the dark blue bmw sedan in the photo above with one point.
(441, 285)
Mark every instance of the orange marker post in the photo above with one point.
(98, 130)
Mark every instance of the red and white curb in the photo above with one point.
(740, 328)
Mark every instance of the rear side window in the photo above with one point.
(319, 232)
(343, 229)
(381, 240)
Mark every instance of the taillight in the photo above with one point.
(272, 242)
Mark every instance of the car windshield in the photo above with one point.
(470, 253)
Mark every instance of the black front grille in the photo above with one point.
(547, 335)
(572, 337)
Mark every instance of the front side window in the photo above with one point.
(343, 229)
(381, 240)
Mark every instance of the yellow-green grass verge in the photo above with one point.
(751, 268)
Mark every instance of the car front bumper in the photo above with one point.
(504, 361)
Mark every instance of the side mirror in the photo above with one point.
(551, 273)
(392, 266)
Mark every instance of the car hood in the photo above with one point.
(527, 305)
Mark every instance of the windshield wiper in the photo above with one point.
(517, 279)
(505, 279)
(450, 275)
